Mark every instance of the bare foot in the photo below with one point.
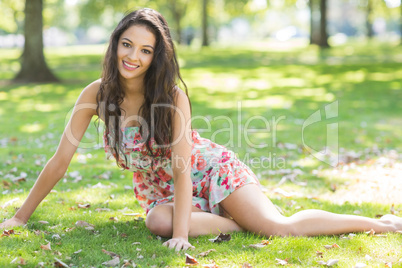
(392, 220)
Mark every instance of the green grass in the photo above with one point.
(292, 84)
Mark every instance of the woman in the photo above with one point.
(188, 185)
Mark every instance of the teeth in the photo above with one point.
(129, 65)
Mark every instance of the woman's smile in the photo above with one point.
(130, 66)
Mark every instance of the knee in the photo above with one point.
(284, 227)
(159, 222)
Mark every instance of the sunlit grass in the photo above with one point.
(277, 89)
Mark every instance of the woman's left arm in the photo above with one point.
(181, 165)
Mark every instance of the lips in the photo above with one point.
(130, 66)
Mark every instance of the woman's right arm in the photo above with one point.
(56, 167)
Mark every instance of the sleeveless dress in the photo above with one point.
(216, 172)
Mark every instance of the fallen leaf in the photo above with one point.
(78, 251)
(59, 263)
(46, 247)
(7, 232)
(246, 265)
(127, 263)
(332, 262)
(388, 264)
(112, 262)
(43, 222)
(83, 224)
(319, 254)
(221, 238)
(87, 205)
(205, 253)
(114, 219)
(360, 265)
(331, 246)
(281, 262)
(371, 232)
(262, 244)
(102, 209)
(191, 260)
(22, 261)
(111, 254)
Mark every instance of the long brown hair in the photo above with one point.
(160, 83)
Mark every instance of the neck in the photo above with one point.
(133, 86)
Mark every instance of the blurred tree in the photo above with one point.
(178, 9)
(205, 40)
(369, 19)
(318, 36)
(33, 64)
(400, 23)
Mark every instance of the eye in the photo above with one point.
(125, 44)
(146, 51)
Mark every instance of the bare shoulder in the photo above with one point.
(87, 99)
(89, 92)
(182, 99)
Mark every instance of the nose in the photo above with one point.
(133, 55)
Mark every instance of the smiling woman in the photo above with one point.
(188, 185)
(135, 54)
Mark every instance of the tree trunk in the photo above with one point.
(33, 64)
(323, 42)
(369, 25)
(205, 41)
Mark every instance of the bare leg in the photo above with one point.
(159, 222)
(253, 211)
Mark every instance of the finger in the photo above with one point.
(172, 244)
(179, 246)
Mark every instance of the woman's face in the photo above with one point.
(135, 52)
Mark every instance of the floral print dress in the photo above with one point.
(215, 171)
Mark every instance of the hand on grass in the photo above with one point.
(13, 222)
(178, 243)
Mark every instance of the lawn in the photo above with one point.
(253, 100)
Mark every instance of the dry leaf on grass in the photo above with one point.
(203, 254)
(20, 261)
(281, 262)
(59, 263)
(371, 232)
(7, 232)
(46, 247)
(111, 254)
(331, 246)
(262, 244)
(113, 262)
(246, 265)
(43, 222)
(85, 224)
(221, 238)
(114, 219)
(78, 251)
(87, 205)
(329, 263)
(191, 260)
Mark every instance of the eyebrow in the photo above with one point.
(124, 38)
